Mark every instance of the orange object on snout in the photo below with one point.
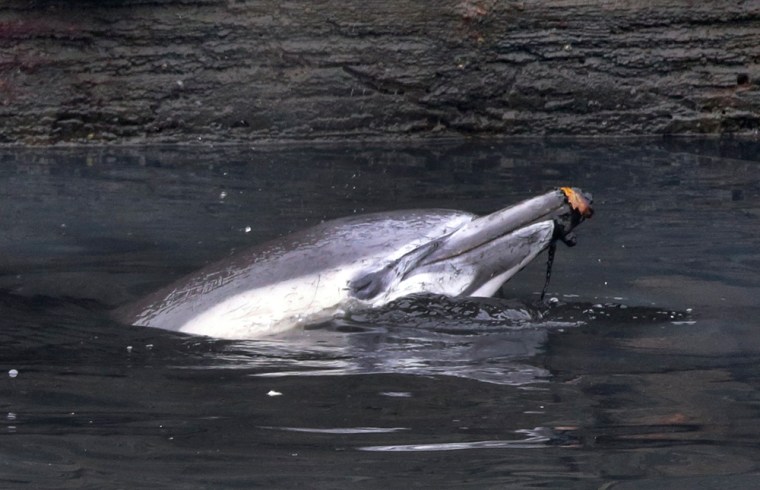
(578, 202)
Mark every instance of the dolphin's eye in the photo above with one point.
(369, 285)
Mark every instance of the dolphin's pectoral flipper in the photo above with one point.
(370, 284)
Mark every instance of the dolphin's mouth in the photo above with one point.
(566, 208)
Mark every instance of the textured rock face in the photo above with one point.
(237, 70)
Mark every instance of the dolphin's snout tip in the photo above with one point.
(579, 201)
(579, 204)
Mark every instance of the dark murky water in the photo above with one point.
(645, 373)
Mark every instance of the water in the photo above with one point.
(643, 372)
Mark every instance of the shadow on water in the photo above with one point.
(641, 371)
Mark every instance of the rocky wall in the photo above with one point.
(134, 71)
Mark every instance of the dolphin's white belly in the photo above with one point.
(273, 309)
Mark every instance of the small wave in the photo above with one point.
(537, 438)
(340, 430)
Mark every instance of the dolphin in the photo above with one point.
(360, 262)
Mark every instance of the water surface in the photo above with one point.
(641, 372)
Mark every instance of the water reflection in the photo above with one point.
(535, 438)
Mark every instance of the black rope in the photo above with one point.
(549, 263)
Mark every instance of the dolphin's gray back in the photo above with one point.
(364, 242)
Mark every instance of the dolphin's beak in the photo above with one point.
(567, 207)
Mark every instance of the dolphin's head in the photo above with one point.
(480, 256)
